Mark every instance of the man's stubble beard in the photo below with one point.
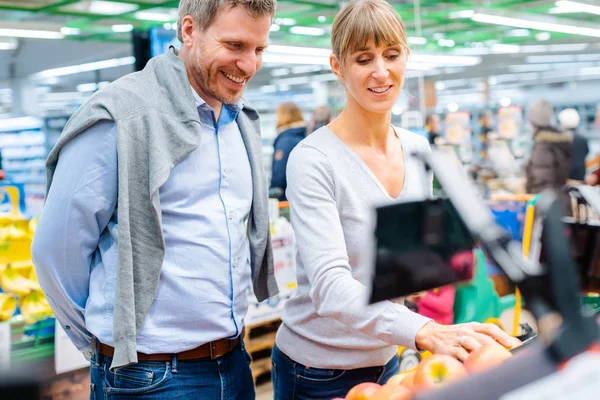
(203, 77)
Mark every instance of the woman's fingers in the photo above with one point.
(469, 343)
(498, 334)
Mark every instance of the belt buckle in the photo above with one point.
(213, 351)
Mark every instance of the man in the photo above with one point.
(156, 220)
(432, 125)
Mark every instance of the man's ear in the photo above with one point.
(187, 29)
(336, 67)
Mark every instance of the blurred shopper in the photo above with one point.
(550, 162)
(321, 117)
(486, 119)
(569, 121)
(432, 126)
(330, 339)
(291, 129)
(156, 215)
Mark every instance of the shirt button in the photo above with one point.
(67, 327)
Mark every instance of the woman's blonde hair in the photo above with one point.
(363, 20)
(288, 113)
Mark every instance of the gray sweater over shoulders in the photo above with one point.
(332, 192)
(157, 127)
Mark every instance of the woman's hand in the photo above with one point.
(459, 340)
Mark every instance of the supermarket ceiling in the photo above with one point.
(445, 25)
(493, 37)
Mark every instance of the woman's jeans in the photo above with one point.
(294, 381)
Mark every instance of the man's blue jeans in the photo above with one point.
(226, 378)
(294, 381)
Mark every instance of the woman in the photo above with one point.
(330, 340)
(550, 162)
(291, 130)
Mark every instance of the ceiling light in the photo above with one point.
(532, 24)
(446, 43)
(417, 40)
(549, 59)
(65, 30)
(101, 7)
(493, 80)
(270, 58)
(167, 26)
(93, 66)
(574, 6)
(559, 10)
(9, 44)
(153, 16)
(33, 34)
(274, 28)
(307, 30)
(518, 33)
(461, 14)
(322, 18)
(122, 28)
(505, 48)
(543, 36)
(446, 60)
(312, 51)
(505, 101)
(285, 21)
(452, 107)
(440, 85)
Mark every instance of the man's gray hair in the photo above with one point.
(204, 12)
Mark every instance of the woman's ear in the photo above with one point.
(336, 67)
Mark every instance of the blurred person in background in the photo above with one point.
(155, 222)
(321, 117)
(291, 129)
(486, 119)
(549, 166)
(330, 339)
(569, 121)
(432, 126)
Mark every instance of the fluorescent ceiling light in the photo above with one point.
(322, 18)
(91, 87)
(93, 66)
(33, 34)
(9, 44)
(285, 21)
(563, 58)
(461, 14)
(153, 16)
(520, 32)
(446, 60)
(310, 51)
(307, 30)
(417, 40)
(502, 48)
(533, 24)
(446, 42)
(274, 28)
(543, 36)
(270, 58)
(122, 28)
(101, 7)
(573, 6)
(65, 30)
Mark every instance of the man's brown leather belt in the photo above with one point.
(214, 350)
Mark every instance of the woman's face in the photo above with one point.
(373, 76)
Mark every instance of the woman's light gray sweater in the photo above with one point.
(332, 192)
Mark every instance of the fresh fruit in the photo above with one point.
(12, 282)
(438, 370)
(363, 391)
(391, 392)
(403, 379)
(8, 305)
(35, 306)
(486, 357)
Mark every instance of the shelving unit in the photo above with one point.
(22, 142)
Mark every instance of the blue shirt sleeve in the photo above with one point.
(78, 207)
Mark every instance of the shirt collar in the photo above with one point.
(235, 107)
